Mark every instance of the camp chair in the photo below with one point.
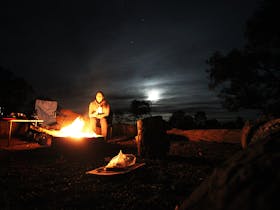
(46, 110)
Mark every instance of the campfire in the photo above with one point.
(77, 130)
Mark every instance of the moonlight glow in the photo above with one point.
(153, 95)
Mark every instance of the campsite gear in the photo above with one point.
(11, 121)
(45, 111)
(121, 161)
(105, 172)
(152, 141)
(120, 164)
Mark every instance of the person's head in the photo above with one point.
(99, 97)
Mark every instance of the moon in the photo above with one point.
(153, 95)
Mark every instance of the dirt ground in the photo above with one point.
(36, 177)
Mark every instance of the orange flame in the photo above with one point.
(76, 129)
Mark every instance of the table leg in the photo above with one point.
(10, 133)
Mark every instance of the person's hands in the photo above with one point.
(94, 114)
(99, 116)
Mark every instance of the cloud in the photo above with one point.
(125, 48)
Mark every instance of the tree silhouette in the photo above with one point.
(250, 77)
(139, 108)
(15, 93)
(200, 119)
(180, 120)
(212, 124)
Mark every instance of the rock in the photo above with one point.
(248, 180)
(255, 131)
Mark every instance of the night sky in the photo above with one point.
(67, 50)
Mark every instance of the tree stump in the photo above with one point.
(152, 141)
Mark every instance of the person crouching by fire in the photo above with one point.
(99, 110)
